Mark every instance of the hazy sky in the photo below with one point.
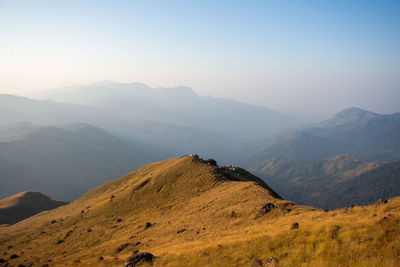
(306, 56)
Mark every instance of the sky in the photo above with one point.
(308, 58)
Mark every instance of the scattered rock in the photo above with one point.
(53, 221)
(2, 260)
(21, 265)
(381, 201)
(286, 207)
(9, 247)
(374, 215)
(294, 226)
(287, 204)
(212, 162)
(271, 261)
(59, 241)
(257, 263)
(121, 248)
(101, 258)
(119, 220)
(139, 257)
(233, 214)
(89, 230)
(148, 225)
(265, 209)
(82, 211)
(112, 196)
(181, 231)
(14, 256)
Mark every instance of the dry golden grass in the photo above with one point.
(184, 193)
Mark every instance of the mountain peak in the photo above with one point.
(179, 91)
(25, 204)
(354, 111)
(348, 116)
(178, 179)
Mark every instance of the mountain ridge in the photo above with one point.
(65, 162)
(178, 105)
(331, 183)
(365, 135)
(351, 115)
(25, 204)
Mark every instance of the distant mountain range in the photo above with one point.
(138, 124)
(174, 120)
(63, 162)
(25, 204)
(365, 135)
(179, 106)
(331, 183)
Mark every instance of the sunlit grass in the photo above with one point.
(185, 194)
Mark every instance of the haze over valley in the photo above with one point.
(170, 133)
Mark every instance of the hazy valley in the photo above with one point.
(186, 211)
(199, 133)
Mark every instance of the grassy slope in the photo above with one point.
(186, 194)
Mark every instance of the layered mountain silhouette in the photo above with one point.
(332, 183)
(356, 132)
(25, 204)
(179, 106)
(141, 124)
(64, 162)
(174, 120)
(189, 212)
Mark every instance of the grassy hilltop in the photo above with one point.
(188, 213)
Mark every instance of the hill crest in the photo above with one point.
(25, 204)
(187, 212)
